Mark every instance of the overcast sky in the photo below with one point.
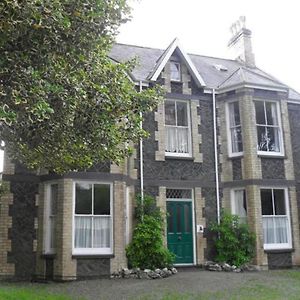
(203, 28)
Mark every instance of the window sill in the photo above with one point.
(91, 256)
(275, 155)
(175, 157)
(287, 250)
(240, 155)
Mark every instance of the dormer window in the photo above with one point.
(175, 71)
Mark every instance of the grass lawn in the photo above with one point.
(17, 293)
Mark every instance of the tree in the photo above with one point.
(64, 104)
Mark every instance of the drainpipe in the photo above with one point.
(141, 161)
(216, 155)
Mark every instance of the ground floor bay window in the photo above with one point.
(92, 232)
(276, 220)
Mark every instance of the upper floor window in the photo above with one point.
(239, 204)
(275, 217)
(92, 218)
(269, 134)
(177, 128)
(234, 129)
(175, 71)
(51, 212)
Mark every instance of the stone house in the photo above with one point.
(226, 136)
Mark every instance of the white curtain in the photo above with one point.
(177, 139)
(83, 232)
(52, 231)
(275, 230)
(101, 232)
(240, 210)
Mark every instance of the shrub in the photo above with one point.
(235, 243)
(147, 251)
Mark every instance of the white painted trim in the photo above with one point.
(175, 44)
(46, 230)
(190, 145)
(93, 251)
(287, 207)
(229, 144)
(293, 101)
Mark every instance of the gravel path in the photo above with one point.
(193, 281)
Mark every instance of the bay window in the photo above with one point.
(269, 133)
(239, 204)
(177, 128)
(275, 217)
(92, 218)
(234, 129)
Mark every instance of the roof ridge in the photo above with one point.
(137, 46)
(230, 76)
(264, 76)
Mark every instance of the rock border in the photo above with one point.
(137, 273)
(213, 266)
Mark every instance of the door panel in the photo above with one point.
(180, 230)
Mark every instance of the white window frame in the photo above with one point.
(175, 154)
(93, 251)
(276, 246)
(47, 230)
(279, 126)
(233, 206)
(179, 71)
(228, 128)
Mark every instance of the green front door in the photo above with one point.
(180, 231)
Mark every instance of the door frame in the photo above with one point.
(193, 224)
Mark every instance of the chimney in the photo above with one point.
(240, 42)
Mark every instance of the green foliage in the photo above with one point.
(147, 251)
(3, 188)
(64, 104)
(235, 243)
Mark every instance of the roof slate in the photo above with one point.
(236, 73)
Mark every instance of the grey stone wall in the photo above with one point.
(272, 168)
(93, 267)
(237, 169)
(23, 233)
(280, 260)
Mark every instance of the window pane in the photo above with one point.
(170, 218)
(83, 201)
(83, 232)
(175, 71)
(182, 118)
(53, 199)
(101, 232)
(236, 139)
(178, 217)
(271, 112)
(260, 113)
(273, 138)
(240, 203)
(279, 202)
(170, 113)
(101, 199)
(187, 218)
(266, 202)
(234, 114)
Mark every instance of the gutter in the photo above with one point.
(216, 154)
(141, 158)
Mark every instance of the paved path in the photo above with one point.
(191, 282)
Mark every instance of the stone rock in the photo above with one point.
(154, 275)
(226, 267)
(174, 270)
(157, 271)
(249, 268)
(170, 272)
(237, 270)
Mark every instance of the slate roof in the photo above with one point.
(236, 73)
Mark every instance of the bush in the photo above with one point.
(147, 251)
(235, 243)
